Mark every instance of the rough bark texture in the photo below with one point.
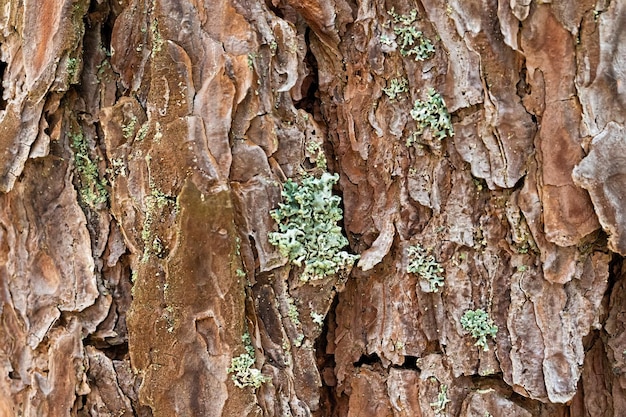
(143, 144)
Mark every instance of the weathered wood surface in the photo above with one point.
(143, 145)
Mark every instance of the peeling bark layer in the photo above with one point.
(144, 145)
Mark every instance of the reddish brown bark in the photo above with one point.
(145, 143)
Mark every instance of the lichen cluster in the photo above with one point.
(412, 42)
(128, 130)
(155, 202)
(425, 265)
(396, 87)
(309, 234)
(242, 367)
(432, 114)
(439, 406)
(92, 190)
(479, 325)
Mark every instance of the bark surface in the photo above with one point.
(145, 143)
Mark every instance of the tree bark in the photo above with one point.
(479, 146)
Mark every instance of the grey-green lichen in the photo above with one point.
(118, 167)
(128, 130)
(425, 265)
(298, 340)
(317, 318)
(412, 42)
(439, 405)
(157, 39)
(154, 203)
(479, 325)
(316, 153)
(242, 367)
(396, 87)
(309, 234)
(73, 65)
(92, 189)
(294, 317)
(143, 131)
(273, 47)
(292, 312)
(432, 114)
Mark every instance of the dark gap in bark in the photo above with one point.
(255, 255)
(520, 183)
(326, 362)
(80, 404)
(278, 12)
(354, 7)
(523, 88)
(106, 29)
(3, 102)
(310, 84)
(114, 352)
(410, 362)
(591, 338)
(367, 360)
(616, 271)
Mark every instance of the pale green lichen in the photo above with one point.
(157, 39)
(425, 265)
(309, 234)
(317, 154)
(128, 130)
(155, 201)
(414, 140)
(158, 134)
(286, 346)
(142, 132)
(386, 40)
(298, 341)
(479, 325)
(251, 58)
(294, 316)
(242, 367)
(317, 318)
(118, 167)
(292, 312)
(432, 114)
(92, 190)
(412, 42)
(396, 87)
(72, 69)
(439, 405)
